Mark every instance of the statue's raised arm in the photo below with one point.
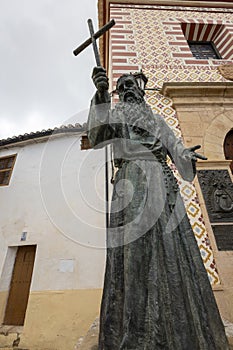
(99, 129)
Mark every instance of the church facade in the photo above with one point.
(185, 50)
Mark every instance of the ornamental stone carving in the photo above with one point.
(227, 71)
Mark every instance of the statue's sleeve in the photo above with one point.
(99, 131)
(180, 155)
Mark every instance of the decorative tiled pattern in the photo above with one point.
(122, 45)
(151, 37)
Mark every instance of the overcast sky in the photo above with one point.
(42, 84)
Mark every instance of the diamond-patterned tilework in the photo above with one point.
(205, 253)
(171, 121)
(152, 101)
(166, 101)
(168, 111)
(193, 210)
(213, 276)
(198, 230)
(188, 191)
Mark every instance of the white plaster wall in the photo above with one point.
(56, 195)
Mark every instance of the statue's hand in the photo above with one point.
(195, 156)
(100, 79)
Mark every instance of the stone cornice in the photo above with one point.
(103, 5)
(199, 93)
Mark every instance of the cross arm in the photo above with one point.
(96, 35)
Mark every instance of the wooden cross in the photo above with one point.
(92, 39)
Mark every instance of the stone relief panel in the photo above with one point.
(217, 189)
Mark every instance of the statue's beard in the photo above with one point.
(137, 113)
(131, 96)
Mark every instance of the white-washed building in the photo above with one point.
(52, 237)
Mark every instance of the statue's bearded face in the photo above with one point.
(128, 90)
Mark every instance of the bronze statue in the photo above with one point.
(157, 294)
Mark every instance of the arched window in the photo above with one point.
(228, 147)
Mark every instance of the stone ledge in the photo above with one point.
(184, 94)
(213, 164)
(198, 89)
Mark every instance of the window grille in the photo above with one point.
(204, 50)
